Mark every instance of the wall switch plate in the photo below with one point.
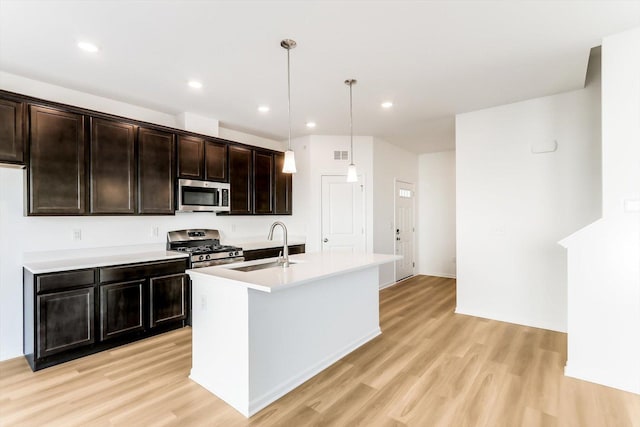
(155, 231)
(77, 234)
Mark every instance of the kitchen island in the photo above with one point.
(260, 333)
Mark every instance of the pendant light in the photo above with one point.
(289, 157)
(352, 174)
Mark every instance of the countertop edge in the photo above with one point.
(282, 287)
(42, 267)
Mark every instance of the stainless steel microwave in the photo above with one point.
(203, 196)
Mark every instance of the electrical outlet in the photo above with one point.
(77, 234)
(233, 228)
(155, 231)
(203, 303)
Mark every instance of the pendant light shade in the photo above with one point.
(289, 162)
(289, 158)
(352, 173)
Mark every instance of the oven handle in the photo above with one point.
(213, 262)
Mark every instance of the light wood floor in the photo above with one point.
(430, 367)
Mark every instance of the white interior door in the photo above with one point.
(342, 214)
(404, 229)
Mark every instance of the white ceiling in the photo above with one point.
(432, 59)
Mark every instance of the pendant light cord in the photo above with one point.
(289, 95)
(351, 117)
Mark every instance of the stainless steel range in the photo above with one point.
(203, 246)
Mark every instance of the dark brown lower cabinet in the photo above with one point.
(70, 314)
(168, 297)
(64, 321)
(272, 252)
(121, 309)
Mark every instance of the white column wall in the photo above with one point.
(512, 206)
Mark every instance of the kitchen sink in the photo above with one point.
(254, 267)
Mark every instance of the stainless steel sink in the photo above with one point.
(262, 266)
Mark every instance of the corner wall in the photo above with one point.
(437, 208)
(513, 206)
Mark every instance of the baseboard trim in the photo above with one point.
(445, 275)
(506, 319)
(263, 401)
(575, 373)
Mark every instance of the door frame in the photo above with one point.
(361, 181)
(396, 181)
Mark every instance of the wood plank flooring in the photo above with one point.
(430, 367)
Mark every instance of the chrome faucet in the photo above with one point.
(285, 248)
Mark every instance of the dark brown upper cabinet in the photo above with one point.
(190, 157)
(240, 178)
(283, 186)
(215, 161)
(113, 167)
(12, 131)
(263, 175)
(156, 172)
(200, 158)
(56, 180)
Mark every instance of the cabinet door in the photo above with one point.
(56, 163)
(121, 309)
(168, 296)
(240, 180)
(215, 167)
(282, 187)
(262, 182)
(11, 131)
(112, 167)
(156, 172)
(190, 157)
(65, 321)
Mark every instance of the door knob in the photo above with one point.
(325, 240)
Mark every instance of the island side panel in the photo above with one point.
(296, 333)
(220, 355)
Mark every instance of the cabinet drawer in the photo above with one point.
(68, 279)
(138, 271)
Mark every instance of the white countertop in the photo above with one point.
(308, 267)
(75, 263)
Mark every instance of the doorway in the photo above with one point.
(343, 214)
(404, 228)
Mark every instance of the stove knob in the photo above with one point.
(200, 258)
(236, 253)
(230, 253)
(208, 257)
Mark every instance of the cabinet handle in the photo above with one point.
(325, 240)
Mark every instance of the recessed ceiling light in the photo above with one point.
(195, 84)
(311, 124)
(88, 47)
(387, 104)
(264, 108)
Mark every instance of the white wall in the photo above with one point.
(20, 235)
(390, 163)
(604, 258)
(315, 154)
(512, 206)
(437, 220)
